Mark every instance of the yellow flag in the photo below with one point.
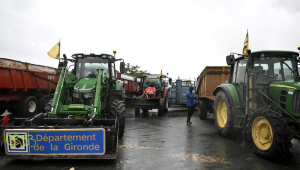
(160, 74)
(55, 51)
(246, 46)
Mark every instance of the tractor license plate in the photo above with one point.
(55, 141)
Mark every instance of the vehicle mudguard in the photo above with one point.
(231, 92)
(165, 93)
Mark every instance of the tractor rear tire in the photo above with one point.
(28, 106)
(137, 111)
(223, 116)
(117, 110)
(43, 101)
(166, 108)
(160, 112)
(202, 109)
(270, 134)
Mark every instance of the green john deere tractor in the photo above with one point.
(262, 100)
(84, 120)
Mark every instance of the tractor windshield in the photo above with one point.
(88, 67)
(275, 68)
(152, 82)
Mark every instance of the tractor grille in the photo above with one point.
(296, 102)
(150, 96)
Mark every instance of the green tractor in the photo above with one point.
(261, 100)
(84, 120)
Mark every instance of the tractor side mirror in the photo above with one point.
(230, 60)
(122, 67)
(170, 80)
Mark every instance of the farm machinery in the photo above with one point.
(261, 100)
(153, 91)
(85, 118)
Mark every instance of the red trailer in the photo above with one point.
(25, 88)
(131, 86)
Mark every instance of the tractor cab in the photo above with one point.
(270, 68)
(153, 85)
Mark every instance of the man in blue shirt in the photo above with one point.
(190, 103)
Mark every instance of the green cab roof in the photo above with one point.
(256, 53)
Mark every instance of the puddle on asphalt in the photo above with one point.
(204, 158)
(137, 147)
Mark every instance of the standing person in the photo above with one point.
(190, 103)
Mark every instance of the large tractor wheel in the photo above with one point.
(270, 134)
(202, 109)
(117, 110)
(43, 101)
(28, 106)
(137, 111)
(223, 117)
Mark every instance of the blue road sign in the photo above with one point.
(55, 141)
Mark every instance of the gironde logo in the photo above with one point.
(16, 142)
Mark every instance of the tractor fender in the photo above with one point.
(231, 93)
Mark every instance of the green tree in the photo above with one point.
(134, 70)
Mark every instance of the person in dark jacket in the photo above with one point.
(190, 103)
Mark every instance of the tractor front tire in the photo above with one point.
(137, 111)
(160, 112)
(202, 109)
(223, 117)
(28, 106)
(270, 134)
(117, 110)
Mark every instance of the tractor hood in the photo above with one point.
(150, 90)
(289, 86)
(85, 85)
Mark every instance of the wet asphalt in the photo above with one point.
(152, 142)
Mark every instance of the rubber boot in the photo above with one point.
(188, 121)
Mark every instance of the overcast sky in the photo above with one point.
(179, 36)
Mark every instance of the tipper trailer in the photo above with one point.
(25, 88)
(209, 79)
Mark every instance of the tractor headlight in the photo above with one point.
(76, 95)
(87, 95)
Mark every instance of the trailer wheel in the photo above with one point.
(270, 134)
(28, 106)
(223, 117)
(137, 111)
(43, 101)
(117, 110)
(202, 109)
